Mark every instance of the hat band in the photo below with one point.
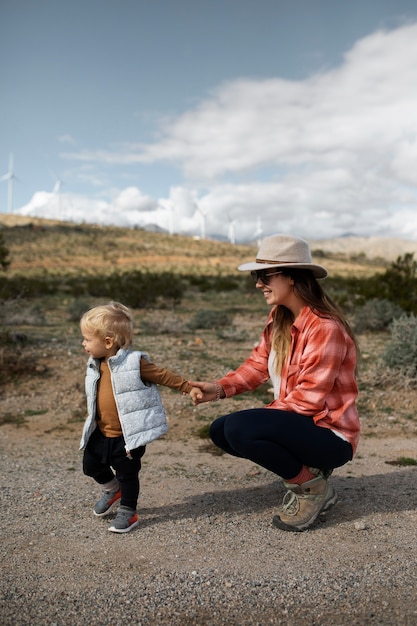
(275, 262)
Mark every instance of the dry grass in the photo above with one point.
(38, 246)
(53, 340)
(52, 366)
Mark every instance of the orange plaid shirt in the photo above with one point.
(317, 379)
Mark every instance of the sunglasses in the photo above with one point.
(263, 275)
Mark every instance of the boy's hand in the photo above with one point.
(196, 395)
(205, 392)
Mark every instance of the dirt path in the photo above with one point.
(205, 551)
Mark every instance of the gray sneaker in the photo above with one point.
(125, 520)
(107, 503)
(302, 504)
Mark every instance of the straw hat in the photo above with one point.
(284, 251)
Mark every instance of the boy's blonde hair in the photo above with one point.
(109, 320)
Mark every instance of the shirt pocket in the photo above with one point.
(292, 377)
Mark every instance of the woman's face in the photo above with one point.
(276, 287)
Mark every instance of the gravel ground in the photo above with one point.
(205, 552)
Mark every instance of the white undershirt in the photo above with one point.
(275, 378)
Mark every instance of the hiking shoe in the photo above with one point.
(302, 504)
(324, 473)
(108, 501)
(125, 520)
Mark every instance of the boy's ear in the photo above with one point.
(109, 342)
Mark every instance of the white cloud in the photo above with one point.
(363, 107)
(335, 153)
(131, 199)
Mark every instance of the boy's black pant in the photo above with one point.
(104, 453)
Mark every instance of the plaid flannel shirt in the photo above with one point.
(318, 378)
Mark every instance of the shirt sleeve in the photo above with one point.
(160, 376)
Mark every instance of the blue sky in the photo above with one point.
(212, 117)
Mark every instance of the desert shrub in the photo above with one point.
(77, 308)
(17, 362)
(28, 286)
(203, 431)
(214, 283)
(209, 319)
(226, 283)
(398, 284)
(137, 289)
(401, 351)
(20, 312)
(376, 315)
(4, 254)
(165, 324)
(345, 292)
(231, 333)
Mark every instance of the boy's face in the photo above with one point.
(97, 347)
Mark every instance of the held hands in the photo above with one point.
(205, 392)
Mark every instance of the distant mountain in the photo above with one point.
(372, 247)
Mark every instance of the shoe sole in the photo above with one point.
(112, 529)
(278, 523)
(111, 508)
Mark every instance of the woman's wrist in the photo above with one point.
(219, 392)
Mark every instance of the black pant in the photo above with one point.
(280, 441)
(102, 453)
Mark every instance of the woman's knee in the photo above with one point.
(219, 435)
(237, 432)
(216, 432)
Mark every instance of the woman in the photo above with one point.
(308, 350)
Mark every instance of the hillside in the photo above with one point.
(38, 245)
(372, 247)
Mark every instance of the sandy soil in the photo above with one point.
(205, 552)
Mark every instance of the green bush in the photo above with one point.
(376, 315)
(215, 283)
(398, 284)
(77, 308)
(28, 286)
(208, 319)
(135, 289)
(401, 351)
(20, 312)
(4, 254)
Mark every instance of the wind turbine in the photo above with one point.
(203, 213)
(56, 191)
(259, 230)
(9, 176)
(231, 230)
(171, 209)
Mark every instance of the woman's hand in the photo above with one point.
(205, 392)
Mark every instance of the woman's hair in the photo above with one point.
(109, 320)
(308, 288)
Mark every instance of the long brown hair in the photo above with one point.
(308, 288)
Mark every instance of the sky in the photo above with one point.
(232, 119)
